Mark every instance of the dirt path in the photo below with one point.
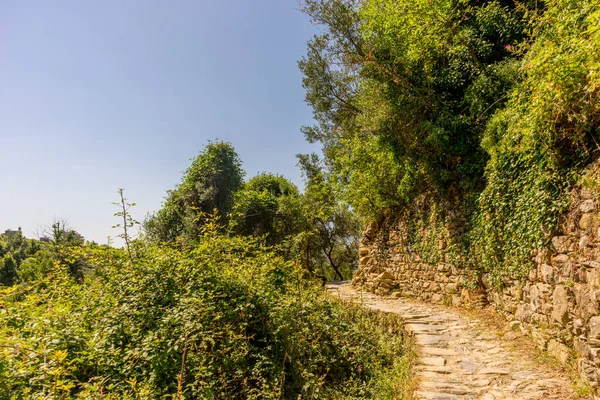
(465, 357)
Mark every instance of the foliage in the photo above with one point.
(208, 184)
(128, 221)
(427, 102)
(380, 61)
(328, 246)
(267, 206)
(228, 319)
(14, 250)
(540, 142)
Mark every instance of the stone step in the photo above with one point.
(422, 328)
(438, 351)
(432, 340)
(494, 371)
(450, 388)
(463, 357)
(436, 369)
(426, 395)
(433, 361)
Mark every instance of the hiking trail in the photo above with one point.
(463, 356)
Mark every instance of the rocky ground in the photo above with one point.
(463, 356)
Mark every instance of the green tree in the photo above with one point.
(62, 243)
(208, 184)
(401, 92)
(268, 205)
(35, 267)
(15, 249)
(8, 270)
(328, 245)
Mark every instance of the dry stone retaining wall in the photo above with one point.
(558, 304)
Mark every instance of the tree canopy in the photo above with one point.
(487, 105)
(208, 185)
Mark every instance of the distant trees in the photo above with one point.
(58, 242)
(59, 232)
(8, 270)
(208, 184)
(14, 249)
(23, 259)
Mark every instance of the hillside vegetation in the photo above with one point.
(225, 319)
(488, 108)
(221, 297)
(425, 109)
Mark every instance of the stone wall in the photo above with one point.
(558, 304)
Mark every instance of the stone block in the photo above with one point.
(539, 294)
(587, 370)
(384, 276)
(560, 305)
(594, 326)
(456, 301)
(584, 241)
(561, 244)
(586, 193)
(587, 206)
(532, 275)
(561, 260)
(546, 273)
(485, 279)
(523, 312)
(451, 288)
(515, 325)
(547, 308)
(585, 306)
(561, 352)
(437, 298)
(593, 276)
(578, 326)
(586, 221)
(540, 339)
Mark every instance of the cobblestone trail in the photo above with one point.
(462, 357)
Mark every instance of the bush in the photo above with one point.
(225, 320)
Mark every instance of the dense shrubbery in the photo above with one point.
(210, 306)
(494, 103)
(226, 319)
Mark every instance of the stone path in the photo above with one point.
(462, 357)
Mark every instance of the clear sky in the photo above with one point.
(97, 95)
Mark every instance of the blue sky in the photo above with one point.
(97, 95)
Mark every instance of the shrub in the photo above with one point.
(227, 319)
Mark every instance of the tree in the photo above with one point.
(328, 245)
(208, 184)
(35, 267)
(60, 233)
(15, 249)
(8, 270)
(61, 241)
(267, 206)
(401, 91)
